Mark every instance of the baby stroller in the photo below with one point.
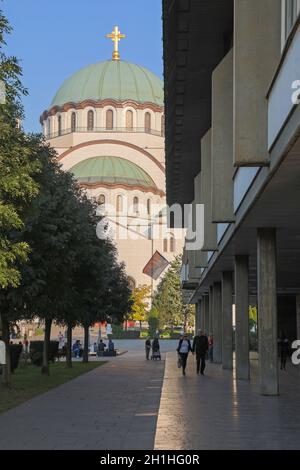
(155, 351)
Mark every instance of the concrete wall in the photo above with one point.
(257, 49)
(210, 229)
(222, 141)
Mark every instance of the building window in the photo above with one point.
(136, 205)
(101, 200)
(292, 8)
(119, 204)
(149, 206)
(90, 121)
(163, 125)
(73, 122)
(129, 120)
(59, 125)
(147, 122)
(109, 119)
(165, 248)
(49, 127)
(172, 244)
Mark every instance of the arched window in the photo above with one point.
(165, 248)
(119, 204)
(109, 119)
(147, 122)
(172, 243)
(73, 122)
(136, 205)
(148, 206)
(129, 120)
(101, 200)
(59, 125)
(90, 120)
(163, 125)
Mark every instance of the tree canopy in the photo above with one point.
(168, 299)
(52, 264)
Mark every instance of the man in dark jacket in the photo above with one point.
(200, 347)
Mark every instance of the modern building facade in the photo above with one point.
(232, 86)
(106, 123)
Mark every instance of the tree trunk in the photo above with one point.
(69, 346)
(6, 378)
(86, 344)
(45, 368)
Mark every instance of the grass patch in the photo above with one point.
(28, 382)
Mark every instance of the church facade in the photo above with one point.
(106, 123)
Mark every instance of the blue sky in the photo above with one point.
(55, 38)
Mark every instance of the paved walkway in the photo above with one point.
(112, 407)
(130, 404)
(217, 412)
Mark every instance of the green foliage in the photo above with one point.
(153, 321)
(119, 333)
(52, 265)
(36, 352)
(18, 166)
(140, 303)
(168, 299)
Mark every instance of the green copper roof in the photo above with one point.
(112, 79)
(111, 170)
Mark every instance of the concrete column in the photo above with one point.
(210, 311)
(242, 317)
(217, 322)
(227, 289)
(267, 311)
(197, 316)
(298, 315)
(206, 314)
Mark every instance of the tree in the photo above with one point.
(153, 321)
(168, 299)
(18, 164)
(140, 304)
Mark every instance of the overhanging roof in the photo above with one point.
(197, 35)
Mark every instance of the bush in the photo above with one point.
(119, 333)
(36, 352)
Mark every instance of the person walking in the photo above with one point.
(211, 348)
(148, 348)
(184, 347)
(200, 348)
(284, 346)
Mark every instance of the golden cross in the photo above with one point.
(116, 37)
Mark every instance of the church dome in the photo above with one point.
(111, 170)
(112, 79)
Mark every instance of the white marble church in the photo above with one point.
(106, 123)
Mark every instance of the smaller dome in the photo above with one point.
(111, 170)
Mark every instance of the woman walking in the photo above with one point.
(184, 347)
(148, 348)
